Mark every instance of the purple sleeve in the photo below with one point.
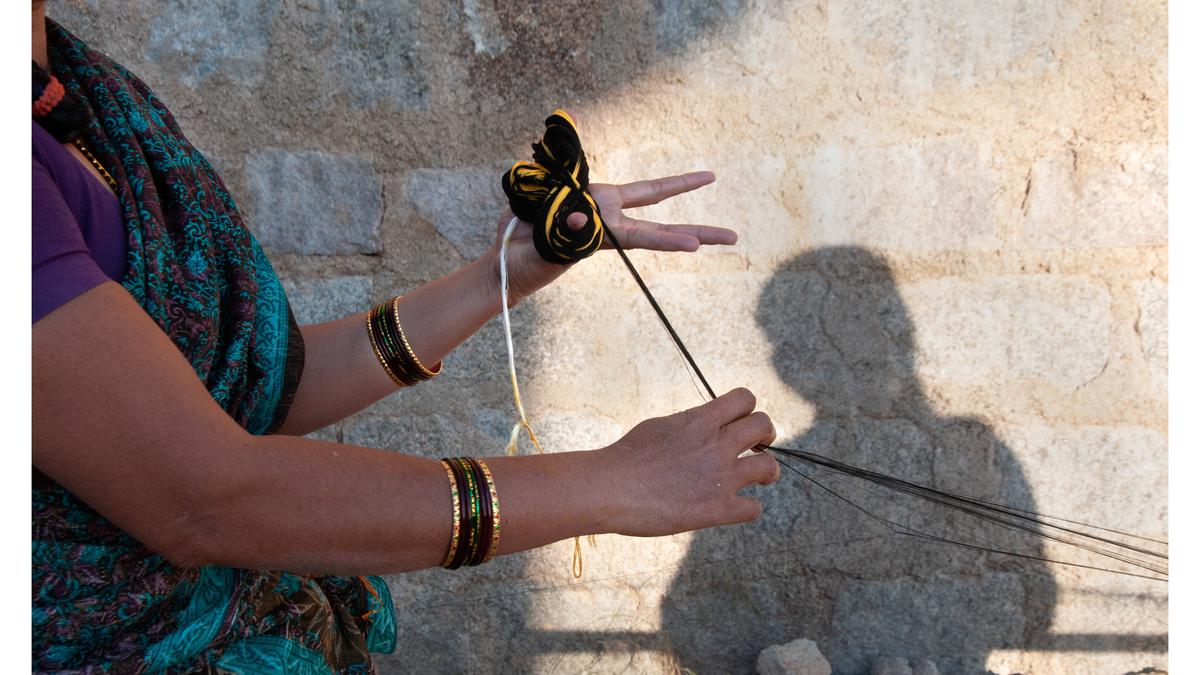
(62, 263)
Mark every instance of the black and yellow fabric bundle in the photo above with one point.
(553, 186)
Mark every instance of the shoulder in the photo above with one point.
(62, 263)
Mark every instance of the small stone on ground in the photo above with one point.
(798, 657)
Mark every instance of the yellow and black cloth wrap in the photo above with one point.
(550, 188)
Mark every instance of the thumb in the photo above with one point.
(576, 220)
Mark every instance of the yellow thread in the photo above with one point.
(577, 560)
(566, 116)
(554, 206)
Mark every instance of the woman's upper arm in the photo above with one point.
(121, 419)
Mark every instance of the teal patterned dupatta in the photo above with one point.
(101, 600)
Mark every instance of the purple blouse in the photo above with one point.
(78, 234)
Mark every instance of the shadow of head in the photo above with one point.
(842, 336)
(831, 567)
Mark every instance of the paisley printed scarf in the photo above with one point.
(101, 600)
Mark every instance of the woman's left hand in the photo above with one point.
(527, 271)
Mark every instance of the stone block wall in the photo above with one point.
(952, 267)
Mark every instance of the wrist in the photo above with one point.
(487, 273)
(608, 482)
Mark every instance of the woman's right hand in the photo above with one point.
(683, 472)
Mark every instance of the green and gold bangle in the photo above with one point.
(475, 535)
(486, 524)
(476, 495)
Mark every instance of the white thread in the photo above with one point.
(512, 363)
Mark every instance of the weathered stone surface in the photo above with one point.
(1129, 459)
(330, 433)
(798, 657)
(953, 621)
(1095, 197)
(680, 22)
(892, 665)
(1014, 662)
(314, 202)
(566, 430)
(320, 300)
(751, 194)
(483, 25)
(924, 667)
(428, 435)
(1053, 329)
(930, 195)
(1152, 321)
(951, 267)
(463, 204)
(377, 58)
(1086, 603)
(898, 665)
(927, 46)
(200, 40)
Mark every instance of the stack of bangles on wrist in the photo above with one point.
(476, 533)
(392, 348)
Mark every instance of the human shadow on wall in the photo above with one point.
(817, 568)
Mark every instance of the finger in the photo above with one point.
(760, 468)
(705, 234)
(647, 192)
(730, 406)
(576, 220)
(751, 430)
(643, 234)
(744, 509)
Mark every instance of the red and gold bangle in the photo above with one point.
(426, 374)
(491, 491)
(457, 522)
(465, 530)
(378, 354)
(391, 346)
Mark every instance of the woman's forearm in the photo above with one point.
(310, 506)
(121, 420)
(281, 502)
(341, 373)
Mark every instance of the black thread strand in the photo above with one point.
(1002, 515)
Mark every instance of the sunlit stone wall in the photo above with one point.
(952, 267)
